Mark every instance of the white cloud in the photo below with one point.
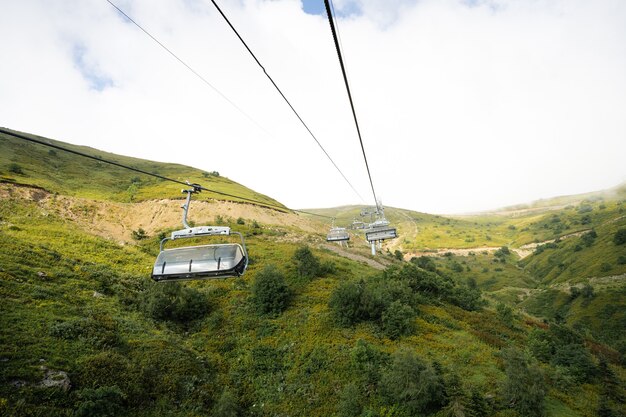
(463, 105)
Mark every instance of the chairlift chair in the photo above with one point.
(200, 262)
(380, 230)
(357, 224)
(337, 234)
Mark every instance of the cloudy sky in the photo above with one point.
(463, 105)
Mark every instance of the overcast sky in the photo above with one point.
(464, 105)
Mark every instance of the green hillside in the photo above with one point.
(23, 162)
(306, 331)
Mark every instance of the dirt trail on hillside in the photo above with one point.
(457, 252)
(523, 251)
(378, 264)
(117, 221)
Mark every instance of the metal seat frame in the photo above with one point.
(205, 267)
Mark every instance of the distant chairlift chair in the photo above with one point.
(380, 231)
(337, 234)
(200, 262)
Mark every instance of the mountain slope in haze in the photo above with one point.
(84, 331)
(23, 162)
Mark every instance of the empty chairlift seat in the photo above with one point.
(200, 262)
(380, 230)
(337, 234)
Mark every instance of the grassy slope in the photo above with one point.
(294, 364)
(73, 175)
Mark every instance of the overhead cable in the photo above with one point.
(152, 174)
(283, 96)
(193, 71)
(345, 79)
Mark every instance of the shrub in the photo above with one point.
(307, 264)
(620, 237)
(100, 331)
(270, 291)
(524, 388)
(425, 262)
(456, 267)
(139, 234)
(367, 361)
(172, 301)
(420, 280)
(576, 359)
(589, 237)
(412, 384)
(505, 313)
(240, 220)
(502, 252)
(540, 344)
(397, 320)
(16, 169)
(356, 301)
(468, 298)
(100, 402)
(350, 402)
(103, 369)
(398, 255)
(226, 406)
(587, 291)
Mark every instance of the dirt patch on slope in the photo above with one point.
(378, 264)
(116, 221)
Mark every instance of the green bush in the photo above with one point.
(412, 385)
(505, 313)
(350, 402)
(307, 264)
(98, 331)
(16, 169)
(139, 234)
(620, 237)
(367, 362)
(270, 291)
(356, 301)
(468, 298)
(240, 220)
(420, 281)
(502, 252)
(425, 262)
(398, 320)
(227, 405)
(103, 369)
(100, 402)
(524, 387)
(588, 238)
(172, 301)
